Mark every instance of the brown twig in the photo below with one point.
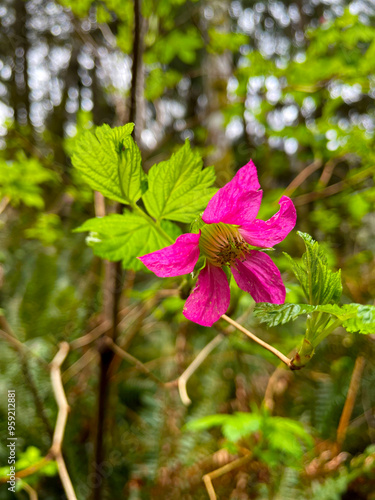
(91, 336)
(10, 337)
(207, 478)
(134, 361)
(33, 495)
(55, 452)
(3, 204)
(349, 403)
(263, 344)
(302, 176)
(80, 364)
(62, 415)
(333, 188)
(273, 382)
(31, 469)
(328, 169)
(182, 380)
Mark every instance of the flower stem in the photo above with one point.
(269, 347)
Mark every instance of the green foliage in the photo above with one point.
(234, 427)
(221, 41)
(28, 458)
(274, 314)
(320, 284)
(287, 437)
(244, 69)
(356, 318)
(21, 179)
(47, 229)
(124, 237)
(158, 80)
(178, 189)
(177, 43)
(96, 156)
(280, 435)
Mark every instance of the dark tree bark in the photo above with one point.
(113, 281)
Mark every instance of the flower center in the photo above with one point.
(221, 244)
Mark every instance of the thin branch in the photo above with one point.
(207, 478)
(328, 169)
(182, 380)
(12, 339)
(273, 382)
(333, 188)
(33, 495)
(62, 415)
(349, 403)
(31, 469)
(134, 361)
(80, 364)
(3, 204)
(263, 344)
(91, 336)
(302, 176)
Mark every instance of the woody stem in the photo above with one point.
(269, 347)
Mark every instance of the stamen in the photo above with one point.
(222, 244)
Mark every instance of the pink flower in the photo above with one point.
(230, 227)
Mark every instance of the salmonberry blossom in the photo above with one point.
(230, 227)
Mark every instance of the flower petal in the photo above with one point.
(175, 260)
(268, 233)
(210, 297)
(238, 201)
(259, 276)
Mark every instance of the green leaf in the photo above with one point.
(319, 283)
(279, 434)
(234, 427)
(241, 425)
(287, 436)
(96, 156)
(178, 188)
(274, 314)
(355, 318)
(361, 318)
(123, 237)
(133, 181)
(204, 423)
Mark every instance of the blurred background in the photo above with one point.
(290, 85)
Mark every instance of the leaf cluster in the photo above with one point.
(275, 435)
(319, 283)
(323, 289)
(174, 190)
